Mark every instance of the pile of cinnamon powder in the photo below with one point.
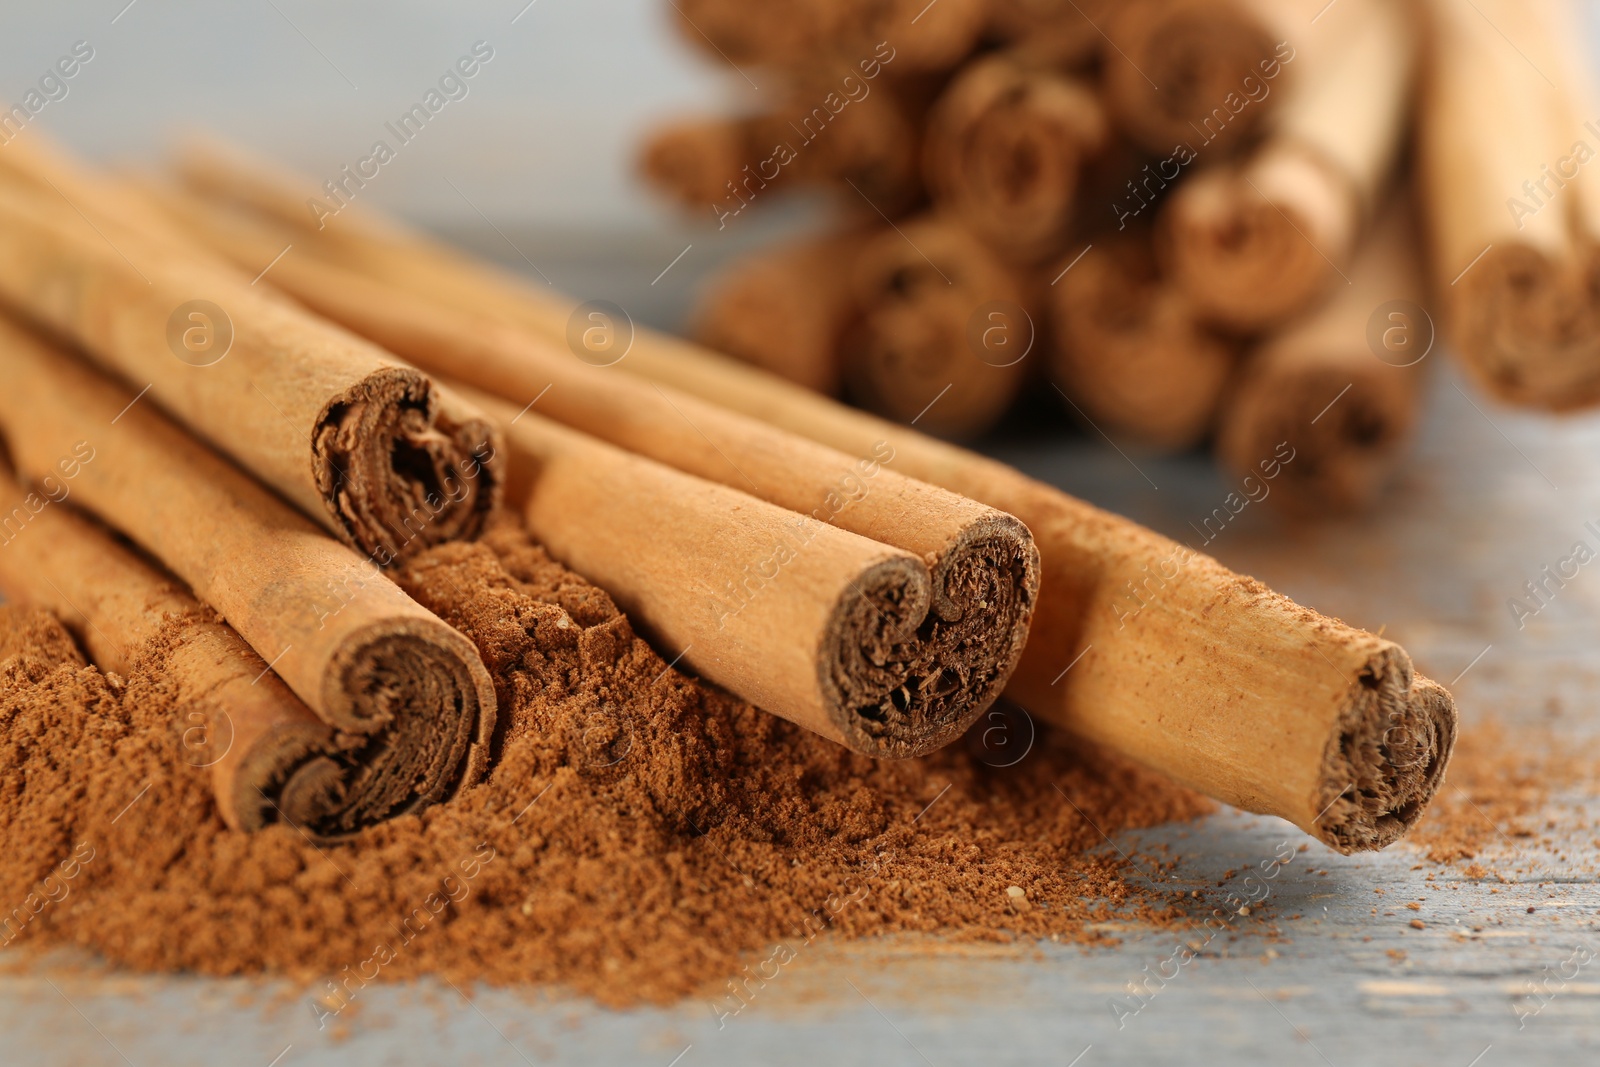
(641, 836)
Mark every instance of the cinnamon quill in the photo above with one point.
(1256, 242)
(1510, 195)
(354, 437)
(1342, 386)
(1128, 349)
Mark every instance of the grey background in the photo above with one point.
(542, 147)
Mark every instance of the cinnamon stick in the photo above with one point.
(859, 135)
(1004, 145)
(831, 630)
(410, 703)
(1505, 162)
(953, 649)
(1129, 350)
(941, 334)
(785, 308)
(1340, 388)
(921, 37)
(1061, 32)
(265, 749)
(1255, 243)
(356, 438)
(1194, 72)
(1146, 646)
(694, 161)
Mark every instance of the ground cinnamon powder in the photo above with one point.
(641, 837)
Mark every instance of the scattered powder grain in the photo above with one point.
(641, 836)
(1503, 786)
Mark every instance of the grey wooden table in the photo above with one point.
(1490, 497)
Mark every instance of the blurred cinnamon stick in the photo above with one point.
(1511, 198)
(1064, 33)
(1128, 347)
(1340, 387)
(941, 334)
(785, 308)
(1200, 73)
(1254, 243)
(1004, 146)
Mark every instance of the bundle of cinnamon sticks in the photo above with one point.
(1234, 222)
(344, 701)
(842, 571)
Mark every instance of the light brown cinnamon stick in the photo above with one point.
(1004, 146)
(1129, 350)
(265, 749)
(1255, 243)
(941, 333)
(408, 697)
(1146, 646)
(353, 436)
(836, 128)
(824, 627)
(922, 38)
(1505, 153)
(1061, 32)
(1195, 72)
(785, 308)
(694, 161)
(1340, 387)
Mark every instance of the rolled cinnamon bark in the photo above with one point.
(921, 36)
(785, 308)
(1176, 72)
(265, 749)
(353, 436)
(1003, 148)
(1065, 33)
(846, 131)
(694, 161)
(981, 566)
(1255, 243)
(839, 132)
(1139, 643)
(409, 701)
(821, 626)
(1505, 164)
(941, 335)
(1129, 350)
(1341, 387)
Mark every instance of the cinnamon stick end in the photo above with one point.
(917, 659)
(1387, 757)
